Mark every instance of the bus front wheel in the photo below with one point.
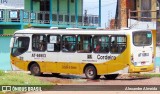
(35, 69)
(91, 73)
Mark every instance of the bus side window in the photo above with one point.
(118, 43)
(42, 45)
(123, 48)
(84, 44)
(68, 43)
(114, 47)
(38, 42)
(98, 48)
(54, 43)
(101, 43)
(73, 47)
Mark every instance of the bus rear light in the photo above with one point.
(152, 58)
(132, 59)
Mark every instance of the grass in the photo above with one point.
(144, 75)
(151, 75)
(14, 78)
(2, 73)
(20, 78)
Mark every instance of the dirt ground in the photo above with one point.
(81, 80)
(74, 81)
(124, 79)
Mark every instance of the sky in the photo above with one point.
(108, 9)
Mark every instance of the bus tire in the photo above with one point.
(91, 73)
(35, 70)
(111, 76)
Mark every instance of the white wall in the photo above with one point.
(135, 24)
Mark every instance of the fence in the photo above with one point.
(44, 17)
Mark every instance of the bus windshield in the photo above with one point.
(20, 45)
(142, 38)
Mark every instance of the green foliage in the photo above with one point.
(2, 73)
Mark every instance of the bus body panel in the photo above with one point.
(135, 69)
(142, 57)
(74, 63)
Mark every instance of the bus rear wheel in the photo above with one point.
(35, 70)
(91, 73)
(111, 76)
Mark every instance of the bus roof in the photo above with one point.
(74, 31)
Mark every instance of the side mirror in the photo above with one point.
(11, 42)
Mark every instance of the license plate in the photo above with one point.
(143, 69)
(145, 54)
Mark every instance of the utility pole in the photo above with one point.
(85, 18)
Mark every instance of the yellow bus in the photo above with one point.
(77, 51)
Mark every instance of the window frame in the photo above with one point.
(19, 47)
(69, 43)
(141, 32)
(91, 44)
(53, 43)
(117, 45)
(103, 42)
(39, 42)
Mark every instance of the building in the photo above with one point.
(112, 24)
(44, 13)
(20, 14)
(141, 14)
(135, 13)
